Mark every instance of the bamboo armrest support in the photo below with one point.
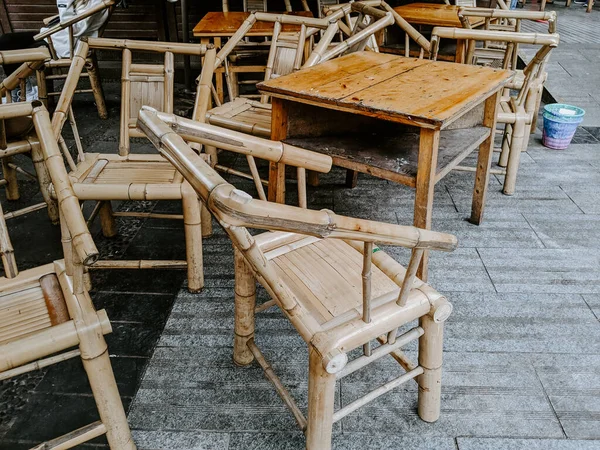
(237, 142)
(60, 26)
(236, 208)
(148, 46)
(19, 109)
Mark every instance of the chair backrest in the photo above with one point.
(534, 71)
(146, 84)
(377, 9)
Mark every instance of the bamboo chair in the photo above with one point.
(500, 54)
(516, 111)
(262, 5)
(118, 177)
(378, 9)
(312, 265)
(19, 136)
(55, 69)
(46, 312)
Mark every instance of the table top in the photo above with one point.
(217, 24)
(435, 15)
(420, 92)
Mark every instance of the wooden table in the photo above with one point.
(437, 15)
(402, 119)
(215, 26)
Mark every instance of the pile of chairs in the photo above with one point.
(356, 298)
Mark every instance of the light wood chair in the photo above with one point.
(46, 313)
(339, 290)
(520, 101)
(262, 5)
(106, 177)
(494, 53)
(56, 69)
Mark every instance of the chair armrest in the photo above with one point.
(206, 134)
(235, 208)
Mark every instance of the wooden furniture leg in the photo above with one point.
(10, 175)
(430, 359)
(460, 51)
(192, 223)
(351, 178)
(321, 398)
(426, 169)
(514, 156)
(245, 303)
(219, 82)
(279, 120)
(484, 161)
(44, 181)
(107, 220)
(91, 66)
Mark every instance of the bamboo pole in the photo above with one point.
(177, 48)
(6, 250)
(192, 223)
(245, 303)
(74, 438)
(40, 364)
(10, 175)
(93, 74)
(125, 103)
(321, 397)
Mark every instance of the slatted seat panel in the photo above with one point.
(326, 275)
(242, 114)
(121, 172)
(23, 310)
(147, 88)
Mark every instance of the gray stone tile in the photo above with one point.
(573, 387)
(466, 443)
(543, 270)
(593, 302)
(345, 441)
(560, 231)
(173, 440)
(521, 323)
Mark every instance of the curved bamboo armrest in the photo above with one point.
(18, 109)
(292, 20)
(236, 208)
(62, 25)
(82, 242)
(500, 36)
(211, 135)
(148, 46)
(24, 55)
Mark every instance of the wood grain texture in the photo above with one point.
(227, 23)
(411, 91)
(434, 14)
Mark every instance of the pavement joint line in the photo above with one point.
(534, 230)
(549, 401)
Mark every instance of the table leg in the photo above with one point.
(279, 122)
(484, 160)
(460, 51)
(426, 170)
(218, 76)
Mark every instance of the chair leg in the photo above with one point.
(351, 178)
(96, 84)
(42, 87)
(430, 359)
(192, 223)
(108, 401)
(206, 221)
(10, 175)
(321, 398)
(107, 220)
(44, 180)
(514, 156)
(245, 303)
(506, 142)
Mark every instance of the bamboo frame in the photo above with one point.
(328, 342)
(518, 112)
(71, 317)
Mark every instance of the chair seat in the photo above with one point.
(242, 114)
(325, 274)
(111, 169)
(30, 302)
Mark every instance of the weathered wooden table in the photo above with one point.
(437, 15)
(216, 26)
(402, 119)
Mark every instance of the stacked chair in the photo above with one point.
(46, 313)
(313, 265)
(521, 99)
